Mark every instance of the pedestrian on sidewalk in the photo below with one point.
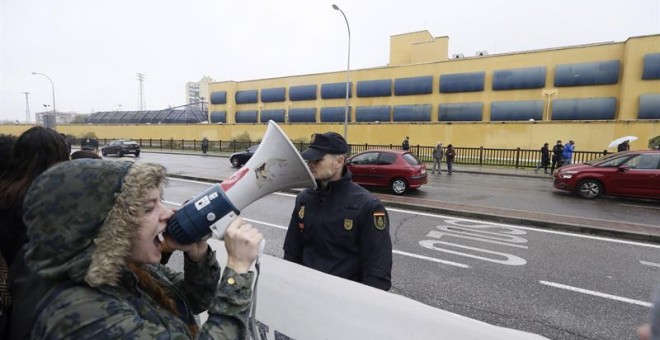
(567, 154)
(557, 151)
(449, 155)
(545, 158)
(625, 146)
(405, 145)
(437, 158)
(205, 145)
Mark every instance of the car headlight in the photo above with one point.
(567, 174)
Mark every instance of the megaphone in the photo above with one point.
(276, 165)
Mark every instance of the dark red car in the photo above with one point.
(630, 173)
(394, 169)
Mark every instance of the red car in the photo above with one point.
(629, 173)
(394, 169)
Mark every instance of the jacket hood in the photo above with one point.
(82, 215)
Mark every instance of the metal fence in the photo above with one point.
(517, 158)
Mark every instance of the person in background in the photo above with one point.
(99, 266)
(205, 145)
(405, 145)
(624, 146)
(85, 154)
(545, 159)
(6, 144)
(32, 153)
(35, 150)
(437, 158)
(68, 144)
(450, 154)
(339, 228)
(557, 152)
(91, 144)
(567, 154)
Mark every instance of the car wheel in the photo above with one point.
(235, 162)
(104, 153)
(590, 188)
(399, 186)
(120, 153)
(137, 154)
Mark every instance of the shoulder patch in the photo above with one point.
(348, 224)
(301, 212)
(379, 220)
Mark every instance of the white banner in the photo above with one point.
(295, 302)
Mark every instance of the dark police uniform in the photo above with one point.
(343, 231)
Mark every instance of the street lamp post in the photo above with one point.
(53, 87)
(348, 71)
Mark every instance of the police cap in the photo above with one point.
(323, 144)
(89, 144)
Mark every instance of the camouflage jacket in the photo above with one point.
(81, 216)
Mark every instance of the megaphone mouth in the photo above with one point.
(276, 165)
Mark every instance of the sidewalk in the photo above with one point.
(617, 229)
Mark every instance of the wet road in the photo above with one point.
(559, 285)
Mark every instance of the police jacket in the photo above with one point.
(342, 230)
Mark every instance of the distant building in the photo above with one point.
(196, 91)
(60, 118)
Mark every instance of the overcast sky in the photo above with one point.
(93, 49)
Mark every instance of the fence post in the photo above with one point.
(481, 156)
(517, 157)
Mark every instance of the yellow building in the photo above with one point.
(590, 93)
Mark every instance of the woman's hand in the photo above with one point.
(195, 251)
(242, 243)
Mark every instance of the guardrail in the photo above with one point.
(518, 158)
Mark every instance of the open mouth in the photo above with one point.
(159, 239)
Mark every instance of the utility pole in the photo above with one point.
(27, 108)
(140, 78)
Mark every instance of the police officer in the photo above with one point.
(91, 144)
(339, 228)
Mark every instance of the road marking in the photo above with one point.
(432, 259)
(266, 224)
(509, 259)
(527, 228)
(188, 180)
(171, 203)
(650, 263)
(595, 293)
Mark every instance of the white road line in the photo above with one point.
(595, 293)
(266, 224)
(171, 203)
(432, 259)
(650, 263)
(188, 180)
